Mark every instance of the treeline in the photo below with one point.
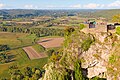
(4, 47)
(22, 13)
(4, 58)
(38, 31)
(27, 73)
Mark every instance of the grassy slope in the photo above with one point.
(39, 48)
(106, 13)
(14, 40)
(22, 61)
(20, 57)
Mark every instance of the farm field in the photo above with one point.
(21, 59)
(51, 42)
(33, 54)
(16, 40)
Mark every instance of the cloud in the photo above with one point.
(115, 4)
(30, 6)
(102, 5)
(50, 6)
(76, 6)
(91, 6)
(2, 5)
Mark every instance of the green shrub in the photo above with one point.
(78, 74)
(50, 51)
(25, 74)
(97, 78)
(112, 59)
(86, 44)
(4, 47)
(118, 30)
(82, 26)
(4, 58)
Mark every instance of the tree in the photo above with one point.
(4, 58)
(69, 30)
(28, 71)
(4, 47)
(78, 75)
(116, 18)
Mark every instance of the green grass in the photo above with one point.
(49, 51)
(22, 61)
(50, 37)
(39, 48)
(118, 30)
(86, 44)
(15, 40)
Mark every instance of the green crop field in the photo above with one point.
(21, 60)
(16, 40)
(39, 48)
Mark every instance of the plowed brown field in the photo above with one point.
(51, 42)
(33, 54)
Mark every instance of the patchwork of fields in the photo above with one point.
(25, 52)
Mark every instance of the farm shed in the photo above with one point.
(92, 24)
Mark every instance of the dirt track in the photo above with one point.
(33, 54)
(51, 42)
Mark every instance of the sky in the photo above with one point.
(59, 4)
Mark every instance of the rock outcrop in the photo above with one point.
(97, 57)
(93, 51)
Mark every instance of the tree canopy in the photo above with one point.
(116, 18)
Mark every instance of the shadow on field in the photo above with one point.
(46, 40)
(12, 58)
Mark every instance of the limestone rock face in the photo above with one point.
(102, 36)
(96, 58)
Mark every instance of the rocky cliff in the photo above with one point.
(93, 50)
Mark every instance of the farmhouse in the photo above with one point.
(92, 24)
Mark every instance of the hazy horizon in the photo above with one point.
(66, 4)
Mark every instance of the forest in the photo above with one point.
(18, 13)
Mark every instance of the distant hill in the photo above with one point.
(32, 12)
(106, 13)
(16, 13)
